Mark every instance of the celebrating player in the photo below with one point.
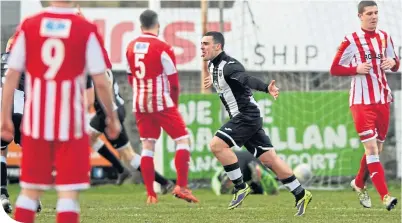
(54, 48)
(153, 73)
(245, 125)
(366, 55)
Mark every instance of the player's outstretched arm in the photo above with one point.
(236, 71)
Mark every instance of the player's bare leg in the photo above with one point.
(4, 196)
(229, 161)
(133, 160)
(377, 174)
(99, 146)
(27, 204)
(148, 169)
(286, 176)
(182, 160)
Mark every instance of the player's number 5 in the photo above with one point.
(139, 65)
(53, 53)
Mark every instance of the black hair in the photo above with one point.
(148, 19)
(217, 37)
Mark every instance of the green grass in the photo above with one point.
(127, 204)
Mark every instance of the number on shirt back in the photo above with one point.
(53, 53)
(139, 65)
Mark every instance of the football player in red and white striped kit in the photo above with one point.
(55, 48)
(365, 55)
(153, 74)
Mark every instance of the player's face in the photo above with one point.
(369, 17)
(209, 50)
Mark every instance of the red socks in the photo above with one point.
(377, 174)
(148, 171)
(182, 160)
(68, 211)
(359, 180)
(25, 209)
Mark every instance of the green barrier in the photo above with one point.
(305, 127)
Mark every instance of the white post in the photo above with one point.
(154, 5)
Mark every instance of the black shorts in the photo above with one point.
(245, 131)
(98, 125)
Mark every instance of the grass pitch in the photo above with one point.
(126, 204)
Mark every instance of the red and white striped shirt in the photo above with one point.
(360, 47)
(152, 67)
(56, 48)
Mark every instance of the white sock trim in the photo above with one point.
(183, 147)
(67, 205)
(136, 161)
(372, 159)
(97, 145)
(234, 174)
(26, 203)
(148, 153)
(292, 185)
(3, 159)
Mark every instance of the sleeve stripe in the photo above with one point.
(168, 64)
(95, 61)
(17, 57)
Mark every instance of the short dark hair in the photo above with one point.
(363, 4)
(217, 37)
(148, 19)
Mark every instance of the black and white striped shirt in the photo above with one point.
(118, 100)
(234, 86)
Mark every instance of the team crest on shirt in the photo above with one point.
(220, 72)
(59, 28)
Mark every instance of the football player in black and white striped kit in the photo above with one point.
(244, 128)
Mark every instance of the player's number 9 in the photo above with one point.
(139, 65)
(52, 56)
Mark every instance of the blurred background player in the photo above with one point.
(366, 55)
(18, 109)
(261, 179)
(234, 85)
(153, 73)
(54, 122)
